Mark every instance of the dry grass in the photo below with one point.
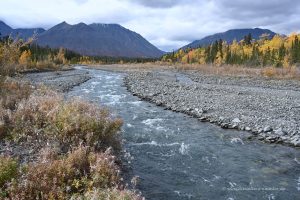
(109, 194)
(133, 67)
(81, 173)
(45, 117)
(12, 92)
(224, 70)
(286, 73)
(236, 70)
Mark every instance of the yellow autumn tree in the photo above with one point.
(287, 61)
(60, 57)
(25, 59)
(290, 39)
(235, 47)
(219, 59)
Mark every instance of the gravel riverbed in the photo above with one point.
(61, 81)
(269, 109)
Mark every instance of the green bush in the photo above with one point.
(8, 170)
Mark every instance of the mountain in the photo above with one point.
(23, 33)
(5, 29)
(98, 40)
(229, 36)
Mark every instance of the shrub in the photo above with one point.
(269, 71)
(77, 174)
(12, 92)
(286, 72)
(9, 56)
(109, 194)
(3, 119)
(47, 117)
(8, 170)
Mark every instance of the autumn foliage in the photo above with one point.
(280, 51)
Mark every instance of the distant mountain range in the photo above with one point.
(229, 36)
(92, 40)
(24, 33)
(114, 40)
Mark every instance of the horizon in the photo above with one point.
(167, 24)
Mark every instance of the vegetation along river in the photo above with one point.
(179, 157)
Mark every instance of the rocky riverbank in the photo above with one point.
(269, 109)
(61, 81)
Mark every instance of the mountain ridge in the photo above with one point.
(98, 39)
(229, 36)
(23, 33)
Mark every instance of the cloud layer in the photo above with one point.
(168, 24)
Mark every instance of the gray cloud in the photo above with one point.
(168, 24)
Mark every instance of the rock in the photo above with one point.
(295, 141)
(247, 129)
(203, 119)
(198, 111)
(267, 129)
(271, 139)
(234, 126)
(242, 128)
(225, 125)
(284, 138)
(280, 132)
(261, 138)
(236, 120)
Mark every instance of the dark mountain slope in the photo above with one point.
(229, 36)
(98, 40)
(23, 33)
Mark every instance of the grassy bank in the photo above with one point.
(292, 72)
(52, 148)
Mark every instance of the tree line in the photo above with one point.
(279, 51)
(19, 55)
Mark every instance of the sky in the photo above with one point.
(168, 24)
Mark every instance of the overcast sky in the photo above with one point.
(168, 24)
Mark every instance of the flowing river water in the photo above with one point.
(179, 157)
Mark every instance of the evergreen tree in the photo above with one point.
(248, 39)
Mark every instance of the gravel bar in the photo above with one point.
(61, 81)
(269, 109)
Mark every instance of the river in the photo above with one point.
(179, 157)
